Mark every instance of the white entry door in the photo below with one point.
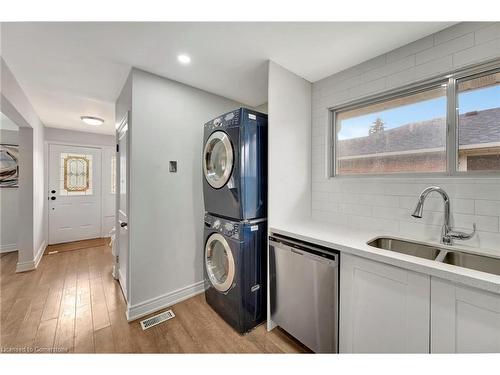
(122, 203)
(74, 193)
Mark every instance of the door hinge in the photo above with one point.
(117, 147)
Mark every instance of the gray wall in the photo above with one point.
(166, 209)
(8, 204)
(32, 237)
(385, 203)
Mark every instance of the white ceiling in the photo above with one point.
(72, 69)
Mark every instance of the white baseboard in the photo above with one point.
(152, 305)
(8, 248)
(32, 264)
(123, 286)
(39, 254)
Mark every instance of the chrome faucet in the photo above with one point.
(447, 233)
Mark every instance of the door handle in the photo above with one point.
(123, 224)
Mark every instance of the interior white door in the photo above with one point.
(122, 204)
(74, 193)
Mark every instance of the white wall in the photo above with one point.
(107, 145)
(289, 102)
(166, 209)
(385, 203)
(8, 203)
(78, 137)
(32, 236)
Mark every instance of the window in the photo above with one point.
(404, 134)
(76, 174)
(407, 131)
(478, 103)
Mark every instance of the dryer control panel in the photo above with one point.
(228, 119)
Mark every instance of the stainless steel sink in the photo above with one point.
(406, 247)
(481, 263)
(475, 262)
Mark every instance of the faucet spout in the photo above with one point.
(419, 210)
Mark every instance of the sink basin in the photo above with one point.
(406, 247)
(472, 261)
(446, 255)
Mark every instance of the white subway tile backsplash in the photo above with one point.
(483, 223)
(330, 217)
(490, 208)
(487, 33)
(410, 49)
(486, 191)
(355, 209)
(479, 52)
(382, 225)
(458, 30)
(420, 231)
(325, 206)
(445, 48)
(386, 203)
(394, 67)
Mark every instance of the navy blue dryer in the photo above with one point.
(235, 165)
(235, 270)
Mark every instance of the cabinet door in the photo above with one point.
(464, 320)
(383, 309)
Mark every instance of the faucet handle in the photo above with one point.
(463, 235)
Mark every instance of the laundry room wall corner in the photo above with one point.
(289, 102)
(166, 209)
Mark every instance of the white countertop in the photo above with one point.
(353, 241)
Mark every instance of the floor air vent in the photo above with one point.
(157, 319)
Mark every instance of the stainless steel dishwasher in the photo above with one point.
(303, 292)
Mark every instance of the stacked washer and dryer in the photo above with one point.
(235, 194)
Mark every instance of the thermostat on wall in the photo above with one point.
(172, 166)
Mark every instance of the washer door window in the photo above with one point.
(219, 262)
(218, 159)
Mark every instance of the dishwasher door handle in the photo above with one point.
(318, 258)
(296, 251)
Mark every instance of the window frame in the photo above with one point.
(450, 80)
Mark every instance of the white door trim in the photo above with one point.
(125, 121)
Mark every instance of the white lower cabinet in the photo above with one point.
(463, 319)
(383, 309)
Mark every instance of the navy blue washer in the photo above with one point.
(237, 295)
(236, 190)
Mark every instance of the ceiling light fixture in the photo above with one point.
(184, 59)
(90, 120)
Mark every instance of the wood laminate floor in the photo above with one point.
(71, 303)
(76, 245)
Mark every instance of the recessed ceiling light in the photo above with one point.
(90, 120)
(184, 59)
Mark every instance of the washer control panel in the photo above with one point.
(225, 227)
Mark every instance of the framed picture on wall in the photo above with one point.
(9, 166)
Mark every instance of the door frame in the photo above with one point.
(125, 121)
(47, 144)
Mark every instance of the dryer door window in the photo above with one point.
(218, 159)
(219, 262)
